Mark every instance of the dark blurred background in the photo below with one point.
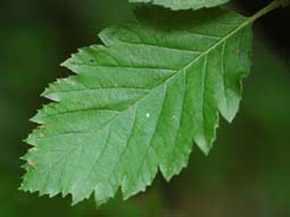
(246, 174)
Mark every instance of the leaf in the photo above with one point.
(137, 104)
(183, 4)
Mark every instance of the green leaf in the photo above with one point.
(137, 104)
(183, 4)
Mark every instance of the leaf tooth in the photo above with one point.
(37, 118)
(204, 144)
(52, 96)
(230, 115)
(66, 63)
(51, 88)
(145, 183)
(174, 170)
(70, 62)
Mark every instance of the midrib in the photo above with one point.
(189, 64)
(184, 68)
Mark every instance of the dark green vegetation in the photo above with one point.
(249, 165)
(183, 4)
(138, 103)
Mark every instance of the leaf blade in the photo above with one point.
(183, 4)
(137, 103)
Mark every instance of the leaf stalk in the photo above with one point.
(272, 6)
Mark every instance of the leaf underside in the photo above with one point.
(183, 4)
(138, 103)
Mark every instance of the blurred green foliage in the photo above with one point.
(247, 174)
